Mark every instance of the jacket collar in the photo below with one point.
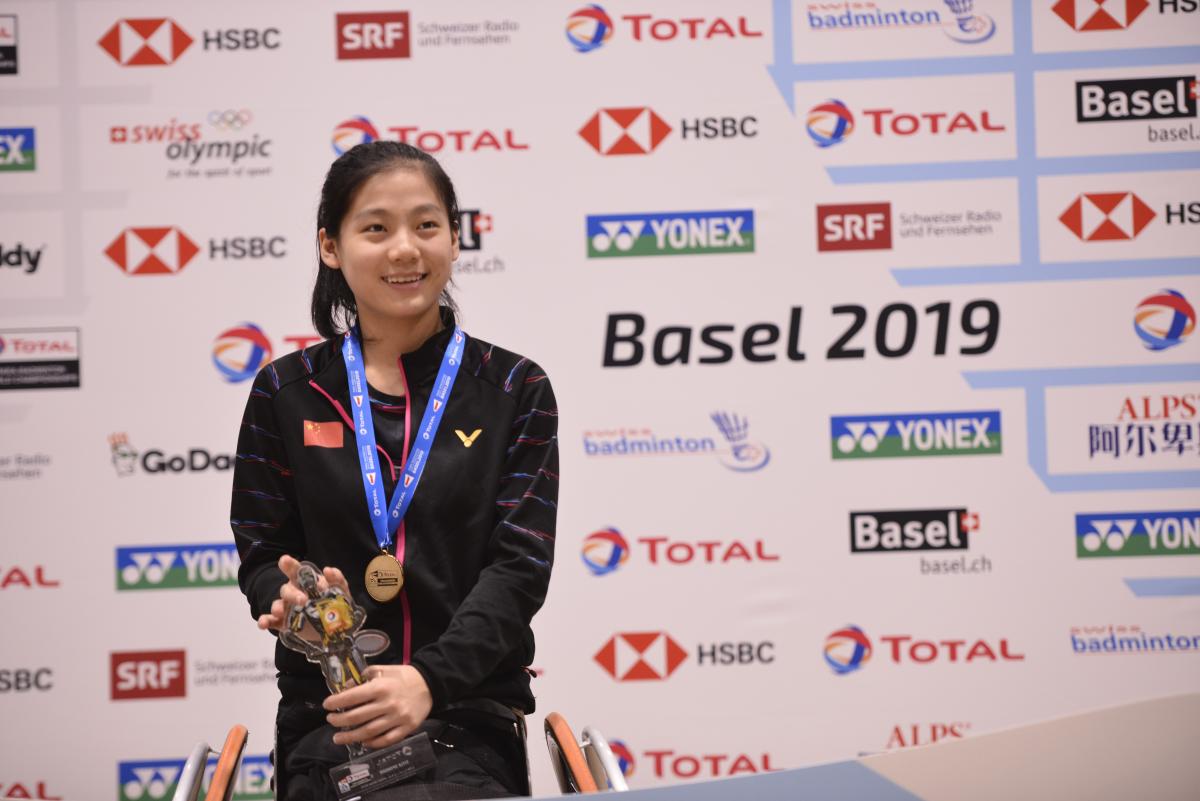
(420, 366)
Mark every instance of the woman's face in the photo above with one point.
(395, 247)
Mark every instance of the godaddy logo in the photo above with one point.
(916, 434)
(173, 567)
(1138, 534)
(155, 780)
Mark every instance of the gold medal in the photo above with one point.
(384, 578)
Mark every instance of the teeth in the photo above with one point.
(396, 280)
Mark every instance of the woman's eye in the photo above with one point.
(428, 224)
(374, 228)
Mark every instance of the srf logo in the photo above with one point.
(633, 131)
(176, 567)
(382, 34)
(640, 656)
(916, 434)
(145, 42)
(148, 674)
(854, 226)
(152, 251)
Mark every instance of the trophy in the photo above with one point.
(328, 630)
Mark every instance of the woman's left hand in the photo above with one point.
(384, 710)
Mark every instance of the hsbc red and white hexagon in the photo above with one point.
(152, 251)
(146, 42)
(625, 131)
(1107, 216)
(641, 656)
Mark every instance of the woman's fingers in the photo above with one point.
(334, 578)
(368, 731)
(349, 718)
(389, 738)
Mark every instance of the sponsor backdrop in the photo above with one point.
(872, 323)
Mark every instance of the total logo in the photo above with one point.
(28, 789)
(590, 28)
(917, 734)
(160, 41)
(148, 674)
(176, 567)
(126, 459)
(1164, 320)
(883, 436)
(166, 250)
(832, 122)
(666, 763)
(966, 27)
(360, 130)
(606, 550)
(27, 577)
(743, 454)
(156, 779)
(376, 34)
(849, 648)
(655, 655)
(18, 149)
(670, 233)
(241, 351)
(639, 130)
(1100, 535)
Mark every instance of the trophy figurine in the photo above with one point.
(335, 637)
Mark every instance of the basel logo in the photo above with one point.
(240, 352)
(829, 123)
(589, 28)
(1107, 216)
(152, 251)
(354, 131)
(1099, 15)
(604, 551)
(641, 656)
(1164, 320)
(625, 131)
(145, 42)
(847, 649)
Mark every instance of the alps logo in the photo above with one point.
(148, 674)
(8, 52)
(849, 648)
(633, 131)
(915, 434)
(176, 567)
(854, 226)
(641, 656)
(1107, 216)
(607, 549)
(384, 34)
(152, 251)
(146, 42)
(915, 734)
(1137, 534)
(912, 530)
(18, 150)
(670, 233)
(1136, 99)
(157, 779)
(1103, 15)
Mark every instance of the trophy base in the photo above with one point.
(383, 768)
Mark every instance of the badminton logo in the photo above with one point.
(604, 551)
(847, 649)
(830, 123)
(1164, 320)
(589, 28)
(351, 132)
(969, 28)
(240, 352)
(745, 455)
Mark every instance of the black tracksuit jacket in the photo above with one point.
(479, 535)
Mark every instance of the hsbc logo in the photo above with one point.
(639, 130)
(148, 674)
(1098, 15)
(1107, 216)
(641, 656)
(152, 251)
(383, 34)
(854, 226)
(147, 42)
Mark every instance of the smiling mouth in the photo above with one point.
(401, 280)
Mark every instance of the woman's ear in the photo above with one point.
(327, 246)
(454, 245)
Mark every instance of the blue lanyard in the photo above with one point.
(418, 456)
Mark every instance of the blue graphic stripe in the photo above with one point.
(1173, 587)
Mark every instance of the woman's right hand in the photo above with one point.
(291, 595)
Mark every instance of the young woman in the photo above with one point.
(454, 565)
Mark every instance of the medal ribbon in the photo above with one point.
(386, 523)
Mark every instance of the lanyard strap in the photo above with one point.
(364, 434)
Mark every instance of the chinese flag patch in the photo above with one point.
(323, 435)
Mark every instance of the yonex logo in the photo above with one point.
(172, 567)
(915, 434)
(18, 149)
(1137, 534)
(670, 233)
(155, 780)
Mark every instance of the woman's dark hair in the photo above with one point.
(333, 308)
